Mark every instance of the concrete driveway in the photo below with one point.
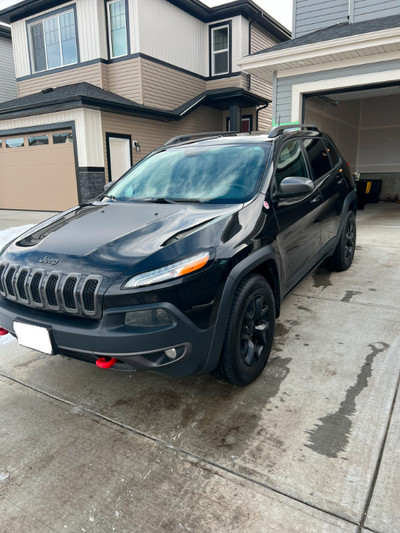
(311, 446)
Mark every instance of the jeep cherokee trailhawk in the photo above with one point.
(181, 265)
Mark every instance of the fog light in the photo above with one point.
(149, 318)
(170, 353)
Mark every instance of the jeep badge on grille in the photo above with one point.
(48, 261)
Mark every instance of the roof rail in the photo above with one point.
(208, 134)
(278, 130)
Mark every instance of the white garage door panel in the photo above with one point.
(38, 177)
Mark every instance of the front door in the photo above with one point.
(119, 154)
(299, 230)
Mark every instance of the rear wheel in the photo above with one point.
(250, 332)
(343, 255)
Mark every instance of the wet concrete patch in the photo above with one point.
(322, 278)
(349, 295)
(331, 436)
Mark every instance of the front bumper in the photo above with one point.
(135, 348)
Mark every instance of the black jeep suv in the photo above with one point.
(181, 265)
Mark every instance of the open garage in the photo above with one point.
(365, 124)
(37, 170)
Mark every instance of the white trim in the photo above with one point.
(321, 49)
(337, 83)
(332, 65)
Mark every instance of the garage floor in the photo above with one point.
(311, 446)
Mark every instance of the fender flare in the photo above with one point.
(350, 198)
(236, 275)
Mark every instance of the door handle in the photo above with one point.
(315, 199)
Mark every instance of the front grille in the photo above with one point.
(51, 290)
(35, 288)
(88, 294)
(66, 293)
(2, 269)
(9, 281)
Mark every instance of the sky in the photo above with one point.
(281, 10)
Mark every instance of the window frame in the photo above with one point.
(316, 180)
(212, 28)
(107, 4)
(34, 21)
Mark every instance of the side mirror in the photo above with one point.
(295, 186)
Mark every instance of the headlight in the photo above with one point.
(176, 270)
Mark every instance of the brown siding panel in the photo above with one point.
(167, 88)
(124, 78)
(241, 81)
(261, 39)
(91, 74)
(151, 134)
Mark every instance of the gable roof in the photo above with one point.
(87, 95)
(328, 48)
(338, 31)
(246, 8)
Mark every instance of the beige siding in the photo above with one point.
(88, 131)
(151, 134)
(124, 78)
(167, 88)
(91, 74)
(8, 85)
(261, 39)
(234, 81)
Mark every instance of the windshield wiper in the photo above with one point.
(188, 200)
(160, 200)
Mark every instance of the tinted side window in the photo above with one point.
(318, 157)
(290, 162)
(332, 153)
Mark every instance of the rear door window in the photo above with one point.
(334, 156)
(291, 162)
(318, 157)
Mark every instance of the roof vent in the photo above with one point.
(48, 90)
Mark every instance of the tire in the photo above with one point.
(343, 255)
(250, 332)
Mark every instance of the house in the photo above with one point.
(8, 84)
(101, 83)
(341, 71)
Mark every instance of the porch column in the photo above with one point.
(235, 112)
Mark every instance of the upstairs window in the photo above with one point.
(220, 50)
(117, 28)
(53, 41)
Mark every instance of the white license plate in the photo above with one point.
(35, 337)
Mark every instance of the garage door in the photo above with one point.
(37, 171)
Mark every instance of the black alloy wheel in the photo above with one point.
(250, 332)
(343, 256)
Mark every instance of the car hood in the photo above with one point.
(108, 238)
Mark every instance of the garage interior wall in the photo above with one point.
(367, 132)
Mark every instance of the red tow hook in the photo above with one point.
(106, 362)
(3, 332)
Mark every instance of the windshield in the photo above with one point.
(218, 174)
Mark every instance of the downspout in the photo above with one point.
(257, 112)
(350, 11)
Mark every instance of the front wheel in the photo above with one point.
(343, 255)
(250, 332)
